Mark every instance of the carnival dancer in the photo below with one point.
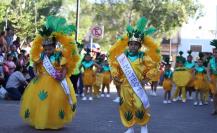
(180, 82)
(49, 101)
(212, 75)
(190, 64)
(130, 67)
(106, 78)
(99, 76)
(167, 82)
(200, 81)
(89, 76)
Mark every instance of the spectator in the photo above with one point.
(13, 51)
(17, 42)
(3, 42)
(1, 60)
(9, 36)
(8, 66)
(16, 84)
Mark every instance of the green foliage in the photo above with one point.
(26, 16)
(42, 95)
(166, 16)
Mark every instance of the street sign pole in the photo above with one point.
(77, 20)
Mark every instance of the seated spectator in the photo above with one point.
(1, 60)
(16, 84)
(17, 42)
(13, 52)
(8, 66)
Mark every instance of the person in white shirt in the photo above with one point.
(16, 84)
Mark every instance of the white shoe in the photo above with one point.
(90, 98)
(169, 101)
(195, 103)
(151, 93)
(179, 98)
(165, 102)
(107, 95)
(200, 103)
(174, 99)
(184, 101)
(144, 129)
(206, 103)
(130, 130)
(102, 95)
(82, 94)
(211, 100)
(154, 94)
(84, 98)
(116, 100)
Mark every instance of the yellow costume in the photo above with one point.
(200, 82)
(106, 75)
(167, 83)
(131, 108)
(181, 78)
(97, 84)
(89, 75)
(44, 104)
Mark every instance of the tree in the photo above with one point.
(112, 15)
(167, 16)
(23, 18)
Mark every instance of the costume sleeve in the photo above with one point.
(150, 68)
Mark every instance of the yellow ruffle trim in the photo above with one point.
(152, 50)
(69, 50)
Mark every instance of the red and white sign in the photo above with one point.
(97, 31)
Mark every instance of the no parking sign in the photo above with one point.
(97, 32)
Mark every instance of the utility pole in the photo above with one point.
(77, 20)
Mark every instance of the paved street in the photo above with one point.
(101, 116)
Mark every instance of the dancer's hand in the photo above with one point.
(59, 76)
(117, 80)
(144, 82)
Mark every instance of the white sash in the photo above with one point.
(133, 80)
(52, 72)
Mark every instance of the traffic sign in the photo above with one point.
(97, 31)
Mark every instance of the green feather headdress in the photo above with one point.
(214, 43)
(189, 53)
(167, 60)
(138, 32)
(180, 53)
(200, 55)
(55, 24)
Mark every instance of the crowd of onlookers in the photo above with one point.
(14, 65)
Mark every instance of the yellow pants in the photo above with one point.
(97, 84)
(183, 90)
(205, 96)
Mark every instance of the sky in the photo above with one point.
(207, 23)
